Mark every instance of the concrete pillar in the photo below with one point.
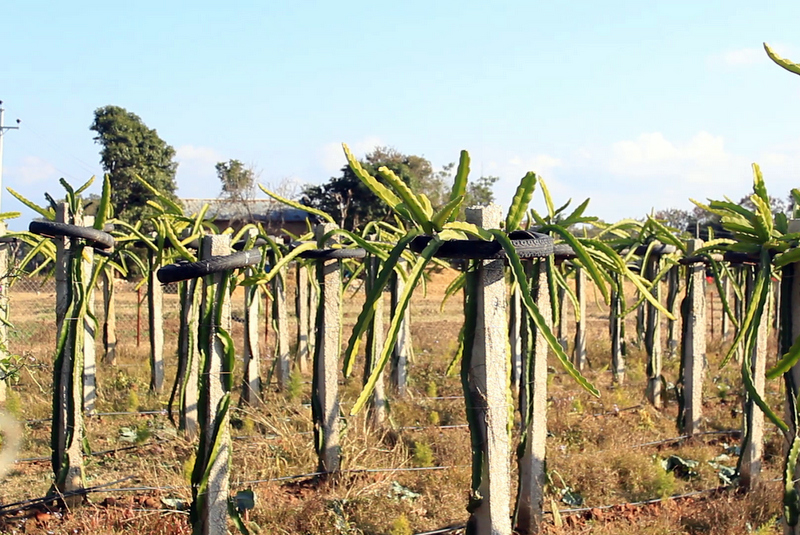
(251, 382)
(280, 318)
(653, 336)
(579, 351)
(89, 330)
(68, 426)
(326, 365)
(375, 341)
(402, 349)
(303, 318)
(616, 331)
(110, 320)
(488, 383)
(155, 301)
(694, 342)
(753, 444)
(213, 513)
(189, 357)
(532, 478)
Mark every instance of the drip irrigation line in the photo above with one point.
(17, 506)
(99, 453)
(638, 504)
(350, 471)
(684, 437)
(92, 414)
(421, 427)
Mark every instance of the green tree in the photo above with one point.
(238, 181)
(130, 148)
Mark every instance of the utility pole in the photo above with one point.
(3, 129)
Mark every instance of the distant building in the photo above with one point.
(276, 218)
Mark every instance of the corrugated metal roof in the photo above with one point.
(253, 210)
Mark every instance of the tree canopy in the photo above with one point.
(353, 205)
(130, 148)
(238, 180)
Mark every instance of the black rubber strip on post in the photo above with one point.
(96, 238)
(239, 245)
(334, 254)
(181, 271)
(563, 251)
(527, 244)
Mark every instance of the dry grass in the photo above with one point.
(594, 447)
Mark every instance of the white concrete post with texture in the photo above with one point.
(532, 472)
(694, 342)
(214, 511)
(303, 318)
(488, 383)
(326, 365)
(251, 382)
(653, 336)
(515, 336)
(375, 341)
(155, 302)
(68, 425)
(615, 331)
(4, 281)
(110, 320)
(89, 330)
(579, 351)
(753, 448)
(189, 357)
(400, 353)
(280, 318)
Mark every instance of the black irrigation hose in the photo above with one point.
(331, 254)
(181, 271)
(527, 244)
(96, 238)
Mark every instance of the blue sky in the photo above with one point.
(636, 105)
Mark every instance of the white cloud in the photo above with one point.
(33, 170)
(332, 156)
(196, 176)
(743, 56)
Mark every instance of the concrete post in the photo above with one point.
(313, 305)
(653, 336)
(110, 320)
(251, 382)
(753, 443)
(89, 330)
(488, 383)
(532, 474)
(615, 328)
(68, 426)
(401, 350)
(188, 373)
(326, 365)
(579, 351)
(155, 301)
(213, 514)
(694, 342)
(280, 318)
(303, 318)
(375, 342)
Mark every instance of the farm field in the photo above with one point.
(604, 456)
